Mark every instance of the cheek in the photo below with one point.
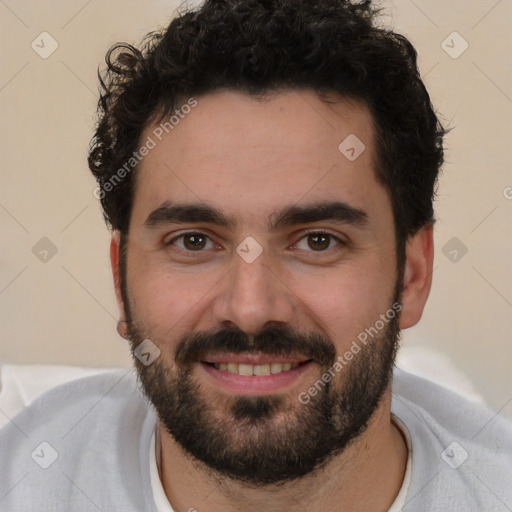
(345, 303)
(168, 301)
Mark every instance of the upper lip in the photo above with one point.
(254, 359)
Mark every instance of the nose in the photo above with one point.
(253, 296)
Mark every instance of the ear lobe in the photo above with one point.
(115, 252)
(417, 275)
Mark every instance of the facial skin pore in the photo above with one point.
(271, 171)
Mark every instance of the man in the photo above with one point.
(267, 169)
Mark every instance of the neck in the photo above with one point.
(367, 476)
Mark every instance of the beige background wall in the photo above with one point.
(63, 310)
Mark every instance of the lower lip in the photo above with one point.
(254, 384)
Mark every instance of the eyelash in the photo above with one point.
(339, 242)
(173, 240)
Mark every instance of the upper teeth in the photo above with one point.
(255, 369)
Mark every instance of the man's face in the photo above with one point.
(256, 246)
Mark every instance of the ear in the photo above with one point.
(417, 275)
(115, 252)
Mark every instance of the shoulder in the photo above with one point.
(462, 452)
(76, 435)
(447, 410)
(107, 392)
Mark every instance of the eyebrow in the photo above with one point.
(168, 213)
(337, 211)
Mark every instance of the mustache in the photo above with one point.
(275, 340)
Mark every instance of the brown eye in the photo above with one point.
(194, 241)
(319, 241)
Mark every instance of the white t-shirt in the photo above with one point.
(163, 505)
(87, 446)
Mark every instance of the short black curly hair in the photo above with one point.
(264, 46)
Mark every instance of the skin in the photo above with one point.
(251, 159)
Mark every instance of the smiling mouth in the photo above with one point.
(259, 370)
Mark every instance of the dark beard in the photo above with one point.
(260, 440)
(268, 439)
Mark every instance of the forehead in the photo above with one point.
(237, 152)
